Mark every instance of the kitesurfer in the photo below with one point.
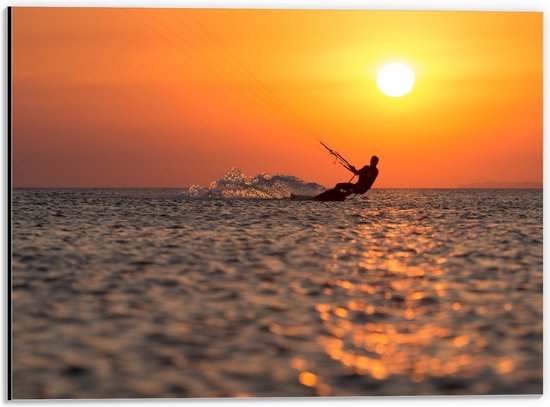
(367, 176)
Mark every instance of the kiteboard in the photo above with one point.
(334, 194)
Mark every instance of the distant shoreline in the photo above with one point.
(502, 185)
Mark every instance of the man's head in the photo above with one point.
(374, 160)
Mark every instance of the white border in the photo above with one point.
(479, 5)
(446, 5)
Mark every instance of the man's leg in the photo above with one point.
(347, 186)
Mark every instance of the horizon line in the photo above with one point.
(177, 187)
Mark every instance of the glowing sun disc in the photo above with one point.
(395, 80)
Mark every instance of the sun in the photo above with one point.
(395, 80)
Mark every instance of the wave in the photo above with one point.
(235, 184)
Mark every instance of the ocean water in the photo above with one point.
(152, 293)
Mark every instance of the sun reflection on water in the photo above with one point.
(399, 320)
(385, 349)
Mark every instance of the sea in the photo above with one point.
(172, 293)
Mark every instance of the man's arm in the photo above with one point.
(354, 170)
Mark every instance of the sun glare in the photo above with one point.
(395, 80)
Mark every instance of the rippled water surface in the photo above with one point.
(139, 293)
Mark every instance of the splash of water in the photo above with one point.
(235, 184)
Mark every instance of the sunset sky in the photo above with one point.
(175, 97)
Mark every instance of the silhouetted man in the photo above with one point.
(367, 175)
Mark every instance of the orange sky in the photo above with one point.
(159, 97)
